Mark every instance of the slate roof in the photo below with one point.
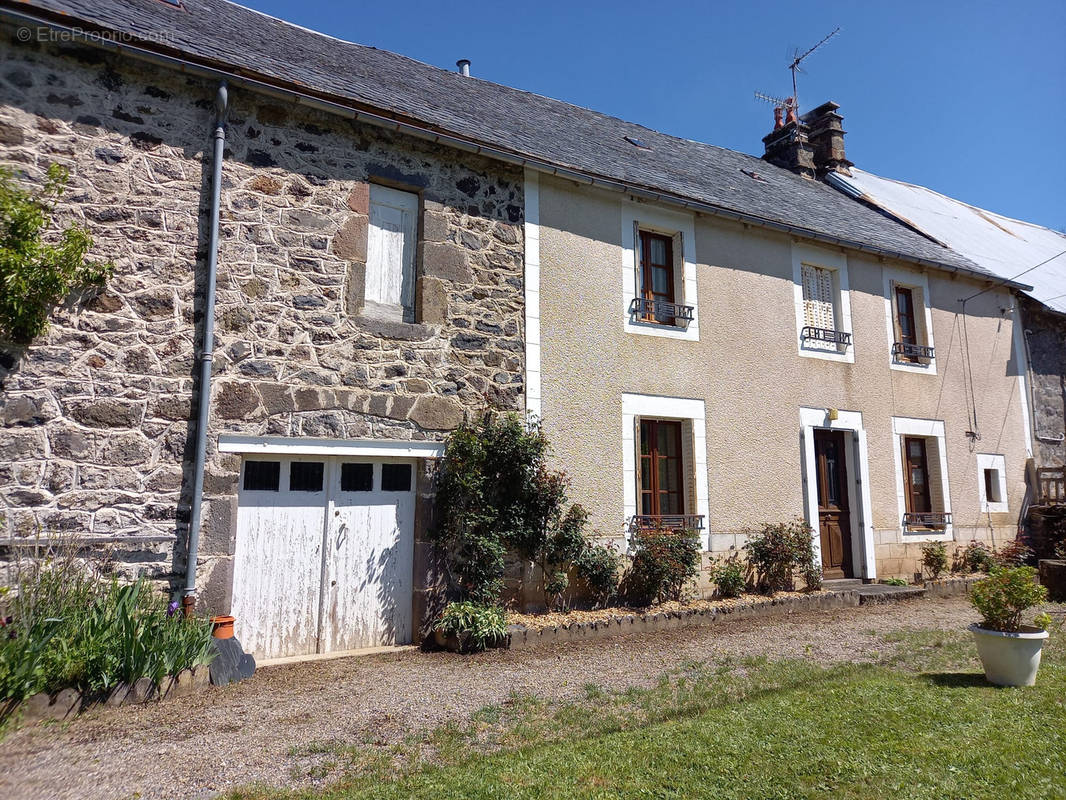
(220, 34)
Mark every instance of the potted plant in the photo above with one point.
(1009, 650)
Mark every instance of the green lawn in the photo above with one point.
(920, 724)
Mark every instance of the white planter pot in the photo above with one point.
(1010, 659)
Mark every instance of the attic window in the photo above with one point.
(755, 176)
(175, 3)
(637, 143)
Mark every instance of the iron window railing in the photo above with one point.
(826, 335)
(670, 522)
(926, 519)
(660, 309)
(912, 350)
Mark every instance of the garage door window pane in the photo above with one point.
(357, 477)
(305, 476)
(395, 477)
(262, 476)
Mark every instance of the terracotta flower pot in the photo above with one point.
(222, 627)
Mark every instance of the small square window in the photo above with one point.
(357, 477)
(395, 477)
(306, 476)
(262, 476)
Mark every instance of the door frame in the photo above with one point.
(863, 554)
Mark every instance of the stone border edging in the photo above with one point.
(949, 587)
(519, 637)
(68, 703)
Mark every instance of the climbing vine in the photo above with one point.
(36, 274)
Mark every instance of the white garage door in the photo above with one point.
(324, 554)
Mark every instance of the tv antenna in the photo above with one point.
(795, 65)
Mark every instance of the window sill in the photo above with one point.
(813, 348)
(636, 325)
(928, 368)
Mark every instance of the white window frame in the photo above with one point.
(837, 262)
(929, 429)
(998, 463)
(668, 223)
(912, 280)
(667, 408)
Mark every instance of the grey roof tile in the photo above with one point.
(220, 33)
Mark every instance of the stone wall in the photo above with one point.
(1047, 371)
(98, 414)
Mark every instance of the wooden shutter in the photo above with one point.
(678, 252)
(688, 465)
(818, 300)
(390, 254)
(936, 478)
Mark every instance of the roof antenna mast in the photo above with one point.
(795, 65)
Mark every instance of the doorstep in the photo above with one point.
(362, 651)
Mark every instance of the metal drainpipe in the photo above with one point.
(207, 352)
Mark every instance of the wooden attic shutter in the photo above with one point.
(818, 305)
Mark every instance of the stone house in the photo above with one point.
(710, 339)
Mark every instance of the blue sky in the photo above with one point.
(968, 98)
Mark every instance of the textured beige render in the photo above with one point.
(747, 369)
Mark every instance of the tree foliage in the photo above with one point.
(38, 270)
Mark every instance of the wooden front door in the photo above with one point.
(834, 513)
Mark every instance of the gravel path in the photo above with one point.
(194, 747)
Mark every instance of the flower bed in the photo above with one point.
(532, 630)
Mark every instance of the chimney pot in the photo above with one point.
(464, 66)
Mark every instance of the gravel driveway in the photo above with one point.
(196, 746)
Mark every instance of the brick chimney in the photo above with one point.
(789, 146)
(812, 145)
(827, 138)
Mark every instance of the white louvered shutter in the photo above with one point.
(818, 298)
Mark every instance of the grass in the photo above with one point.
(921, 723)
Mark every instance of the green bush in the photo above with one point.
(1014, 554)
(495, 493)
(476, 626)
(34, 276)
(1001, 598)
(600, 566)
(663, 562)
(934, 558)
(728, 577)
(781, 549)
(66, 628)
(977, 558)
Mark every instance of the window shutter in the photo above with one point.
(638, 265)
(679, 268)
(688, 466)
(936, 478)
(818, 305)
(390, 253)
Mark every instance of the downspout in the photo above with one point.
(188, 602)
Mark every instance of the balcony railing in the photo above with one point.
(669, 522)
(660, 310)
(842, 338)
(919, 351)
(926, 519)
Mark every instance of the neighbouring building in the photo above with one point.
(711, 340)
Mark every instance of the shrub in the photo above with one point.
(894, 582)
(663, 562)
(34, 276)
(495, 492)
(976, 558)
(934, 558)
(728, 577)
(1004, 595)
(64, 627)
(476, 626)
(779, 550)
(599, 566)
(1013, 554)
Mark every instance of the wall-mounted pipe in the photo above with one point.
(207, 349)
